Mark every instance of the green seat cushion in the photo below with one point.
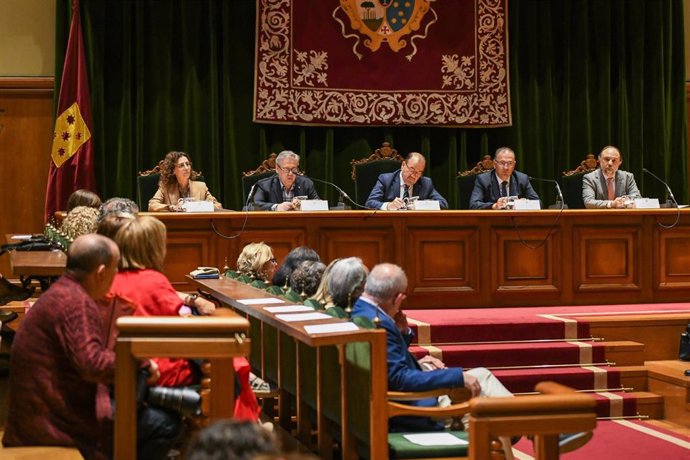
(274, 290)
(244, 279)
(259, 284)
(313, 304)
(231, 274)
(402, 448)
(292, 296)
(336, 312)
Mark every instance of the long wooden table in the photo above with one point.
(467, 258)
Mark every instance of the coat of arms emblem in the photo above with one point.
(386, 21)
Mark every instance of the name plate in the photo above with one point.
(526, 205)
(198, 206)
(313, 205)
(427, 205)
(647, 203)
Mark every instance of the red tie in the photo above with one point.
(609, 186)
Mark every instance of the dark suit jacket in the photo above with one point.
(268, 191)
(486, 190)
(404, 372)
(387, 188)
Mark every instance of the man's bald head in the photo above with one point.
(88, 252)
(385, 281)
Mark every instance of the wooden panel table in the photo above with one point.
(467, 258)
(43, 266)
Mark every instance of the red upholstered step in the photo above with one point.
(579, 378)
(616, 404)
(516, 354)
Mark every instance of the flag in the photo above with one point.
(71, 165)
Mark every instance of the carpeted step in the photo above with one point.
(622, 404)
(530, 354)
(579, 378)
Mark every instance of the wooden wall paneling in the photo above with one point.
(442, 262)
(26, 136)
(671, 257)
(525, 260)
(607, 258)
(185, 252)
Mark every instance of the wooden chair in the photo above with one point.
(217, 339)
(147, 184)
(366, 171)
(572, 182)
(249, 178)
(466, 180)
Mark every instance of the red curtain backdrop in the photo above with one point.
(71, 165)
(382, 62)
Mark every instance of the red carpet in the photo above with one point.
(623, 439)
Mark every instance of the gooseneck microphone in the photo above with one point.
(342, 194)
(670, 196)
(558, 190)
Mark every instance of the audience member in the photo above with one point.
(279, 192)
(393, 190)
(323, 295)
(305, 279)
(257, 262)
(292, 260)
(83, 197)
(607, 187)
(384, 293)
(59, 357)
(80, 221)
(117, 204)
(492, 190)
(111, 223)
(231, 440)
(177, 182)
(346, 281)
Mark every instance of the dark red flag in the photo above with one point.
(71, 165)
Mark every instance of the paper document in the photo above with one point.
(261, 301)
(21, 237)
(435, 439)
(288, 309)
(331, 327)
(303, 317)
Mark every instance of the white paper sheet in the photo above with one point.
(288, 309)
(303, 317)
(435, 439)
(261, 301)
(21, 237)
(330, 327)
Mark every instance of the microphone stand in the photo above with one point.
(342, 195)
(560, 202)
(669, 197)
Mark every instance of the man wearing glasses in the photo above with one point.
(279, 192)
(492, 190)
(393, 190)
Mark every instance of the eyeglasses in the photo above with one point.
(413, 171)
(505, 164)
(294, 171)
(186, 164)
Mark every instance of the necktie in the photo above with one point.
(504, 188)
(609, 187)
(406, 192)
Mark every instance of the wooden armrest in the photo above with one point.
(455, 394)
(454, 410)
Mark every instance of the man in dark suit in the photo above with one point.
(383, 295)
(607, 187)
(280, 192)
(492, 189)
(392, 189)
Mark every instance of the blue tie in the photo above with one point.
(406, 192)
(504, 188)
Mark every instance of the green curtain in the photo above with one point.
(178, 75)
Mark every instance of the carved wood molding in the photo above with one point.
(486, 164)
(587, 165)
(385, 152)
(27, 84)
(269, 164)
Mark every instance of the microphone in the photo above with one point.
(669, 197)
(342, 194)
(559, 198)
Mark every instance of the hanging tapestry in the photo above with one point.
(382, 62)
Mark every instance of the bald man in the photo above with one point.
(59, 357)
(607, 187)
(392, 189)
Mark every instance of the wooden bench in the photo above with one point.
(218, 339)
(337, 384)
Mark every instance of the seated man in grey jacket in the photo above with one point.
(607, 187)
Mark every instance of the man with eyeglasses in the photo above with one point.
(492, 190)
(393, 190)
(280, 191)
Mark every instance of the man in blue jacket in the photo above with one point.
(393, 189)
(492, 189)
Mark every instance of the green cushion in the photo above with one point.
(274, 290)
(364, 322)
(244, 279)
(313, 304)
(259, 284)
(402, 448)
(231, 274)
(336, 312)
(292, 296)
